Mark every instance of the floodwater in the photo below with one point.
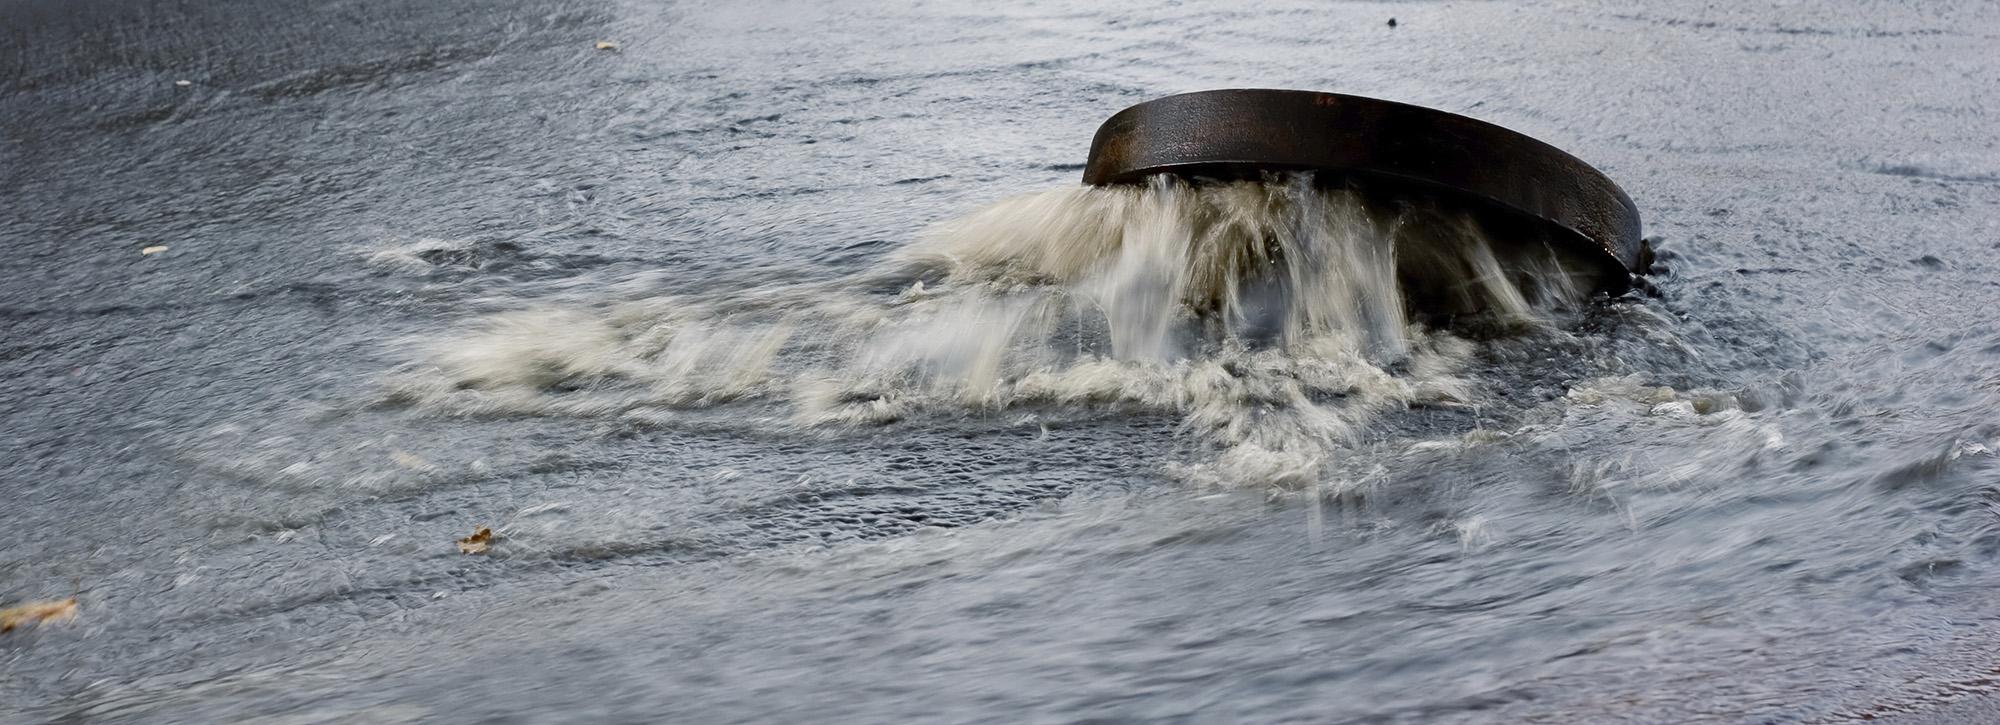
(755, 338)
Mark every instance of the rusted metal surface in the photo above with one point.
(1234, 133)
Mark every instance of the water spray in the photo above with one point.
(1276, 268)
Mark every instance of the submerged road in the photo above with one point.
(235, 234)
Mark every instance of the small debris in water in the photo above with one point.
(607, 45)
(476, 543)
(152, 250)
(43, 612)
(1392, 22)
(183, 83)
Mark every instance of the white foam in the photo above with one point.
(1268, 315)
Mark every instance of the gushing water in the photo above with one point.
(1274, 317)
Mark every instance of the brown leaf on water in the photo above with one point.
(44, 612)
(607, 45)
(476, 543)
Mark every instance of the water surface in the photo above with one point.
(1767, 494)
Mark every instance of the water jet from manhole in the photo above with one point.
(1515, 186)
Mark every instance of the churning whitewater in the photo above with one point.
(1274, 317)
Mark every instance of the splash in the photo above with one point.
(1275, 318)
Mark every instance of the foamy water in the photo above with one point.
(1275, 318)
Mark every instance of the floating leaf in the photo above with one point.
(606, 45)
(44, 612)
(476, 543)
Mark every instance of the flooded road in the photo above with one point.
(609, 279)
